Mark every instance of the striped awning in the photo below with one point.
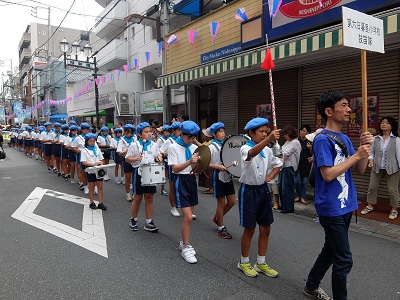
(279, 50)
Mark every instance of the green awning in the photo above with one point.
(93, 113)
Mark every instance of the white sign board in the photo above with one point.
(362, 31)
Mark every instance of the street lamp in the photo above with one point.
(87, 51)
(137, 19)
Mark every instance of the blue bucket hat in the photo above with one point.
(141, 126)
(216, 126)
(73, 127)
(90, 136)
(190, 127)
(56, 124)
(117, 130)
(72, 122)
(28, 128)
(104, 128)
(64, 127)
(85, 126)
(129, 126)
(176, 125)
(255, 123)
(42, 128)
(47, 124)
(166, 127)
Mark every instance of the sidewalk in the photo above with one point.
(363, 225)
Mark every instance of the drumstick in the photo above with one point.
(233, 164)
(144, 142)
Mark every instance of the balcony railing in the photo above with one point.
(113, 22)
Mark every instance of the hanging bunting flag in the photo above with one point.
(172, 39)
(214, 27)
(274, 7)
(90, 83)
(103, 79)
(241, 15)
(160, 44)
(97, 81)
(126, 68)
(148, 55)
(110, 76)
(192, 37)
(135, 63)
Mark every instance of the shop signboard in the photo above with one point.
(297, 16)
(220, 53)
(153, 105)
(362, 31)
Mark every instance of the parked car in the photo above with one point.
(6, 135)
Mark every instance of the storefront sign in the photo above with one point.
(362, 31)
(297, 16)
(153, 106)
(220, 53)
(105, 102)
(355, 124)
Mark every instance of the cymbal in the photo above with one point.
(204, 159)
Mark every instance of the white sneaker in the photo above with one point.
(123, 181)
(188, 254)
(95, 190)
(194, 217)
(117, 181)
(181, 247)
(106, 178)
(86, 190)
(72, 181)
(129, 198)
(131, 187)
(175, 212)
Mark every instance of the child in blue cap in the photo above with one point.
(181, 158)
(117, 159)
(57, 149)
(176, 132)
(103, 141)
(91, 156)
(165, 133)
(143, 151)
(122, 148)
(254, 196)
(222, 182)
(64, 140)
(47, 140)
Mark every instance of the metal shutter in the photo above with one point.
(228, 103)
(345, 75)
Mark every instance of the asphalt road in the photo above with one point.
(142, 265)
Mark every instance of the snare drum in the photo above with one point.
(152, 174)
(230, 151)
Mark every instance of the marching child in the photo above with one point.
(143, 151)
(47, 138)
(181, 158)
(122, 149)
(103, 141)
(165, 133)
(27, 135)
(64, 141)
(117, 159)
(254, 196)
(73, 133)
(90, 157)
(57, 149)
(222, 182)
(176, 132)
(77, 146)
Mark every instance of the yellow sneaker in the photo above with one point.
(247, 269)
(276, 206)
(264, 268)
(393, 214)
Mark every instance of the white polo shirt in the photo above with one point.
(166, 144)
(46, 136)
(114, 143)
(89, 156)
(79, 142)
(123, 145)
(27, 135)
(177, 156)
(215, 150)
(64, 139)
(255, 170)
(149, 156)
(104, 141)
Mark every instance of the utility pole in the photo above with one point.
(48, 59)
(166, 89)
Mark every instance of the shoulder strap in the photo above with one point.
(216, 146)
(338, 141)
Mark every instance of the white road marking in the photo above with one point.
(92, 237)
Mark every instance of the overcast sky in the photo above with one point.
(14, 18)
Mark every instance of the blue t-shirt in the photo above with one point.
(339, 196)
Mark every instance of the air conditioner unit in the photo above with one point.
(123, 103)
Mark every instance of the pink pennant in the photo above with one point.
(192, 37)
(214, 27)
(126, 68)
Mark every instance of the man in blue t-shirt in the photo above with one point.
(335, 194)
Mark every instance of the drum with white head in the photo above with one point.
(152, 174)
(230, 153)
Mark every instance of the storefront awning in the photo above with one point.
(93, 113)
(280, 50)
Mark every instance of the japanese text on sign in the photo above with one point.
(362, 31)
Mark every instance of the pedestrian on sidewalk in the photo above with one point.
(301, 178)
(335, 194)
(385, 163)
(254, 197)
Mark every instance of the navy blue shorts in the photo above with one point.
(48, 149)
(64, 153)
(117, 159)
(170, 174)
(78, 159)
(12, 140)
(92, 178)
(222, 189)
(255, 206)
(138, 189)
(127, 167)
(20, 142)
(106, 154)
(71, 156)
(57, 150)
(185, 190)
(36, 144)
(28, 143)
